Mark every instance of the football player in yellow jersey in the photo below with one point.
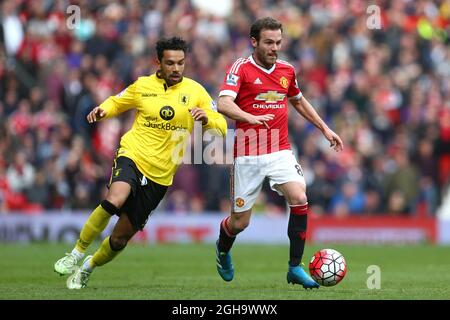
(167, 104)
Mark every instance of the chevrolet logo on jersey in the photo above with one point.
(270, 96)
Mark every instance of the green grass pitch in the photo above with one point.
(188, 271)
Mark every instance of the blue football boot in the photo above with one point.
(296, 275)
(224, 265)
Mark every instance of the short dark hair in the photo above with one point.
(174, 43)
(266, 23)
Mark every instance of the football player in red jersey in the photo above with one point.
(255, 93)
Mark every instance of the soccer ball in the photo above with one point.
(328, 267)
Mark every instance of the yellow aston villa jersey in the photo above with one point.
(162, 123)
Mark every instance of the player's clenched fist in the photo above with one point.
(95, 115)
(199, 115)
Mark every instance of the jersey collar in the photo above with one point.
(269, 71)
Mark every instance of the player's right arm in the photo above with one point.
(115, 105)
(96, 115)
(226, 106)
(228, 93)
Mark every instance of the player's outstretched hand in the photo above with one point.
(261, 119)
(335, 141)
(199, 115)
(95, 115)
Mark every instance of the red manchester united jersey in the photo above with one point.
(261, 91)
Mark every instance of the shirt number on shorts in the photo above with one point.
(299, 169)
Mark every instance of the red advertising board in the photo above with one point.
(372, 229)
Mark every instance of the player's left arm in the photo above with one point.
(206, 111)
(309, 113)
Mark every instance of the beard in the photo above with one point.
(267, 59)
(171, 79)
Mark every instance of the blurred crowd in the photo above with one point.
(385, 91)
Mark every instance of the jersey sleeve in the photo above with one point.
(232, 81)
(125, 100)
(216, 122)
(294, 92)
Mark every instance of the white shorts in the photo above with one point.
(248, 174)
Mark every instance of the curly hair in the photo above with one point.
(174, 43)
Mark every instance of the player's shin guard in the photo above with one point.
(104, 254)
(297, 232)
(95, 224)
(226, 237)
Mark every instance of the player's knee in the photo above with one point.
(299, 198)
(117, 243)
(116, 200)
(110, 208)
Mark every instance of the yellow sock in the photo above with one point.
(104, 254)
(95, 224)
